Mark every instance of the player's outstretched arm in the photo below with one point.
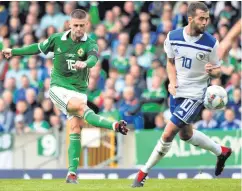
(27, 50)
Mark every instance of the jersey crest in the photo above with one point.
(80, 52)
(200, 56)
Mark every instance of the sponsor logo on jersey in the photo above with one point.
(80, 52)
(70, 55)
(200, 56)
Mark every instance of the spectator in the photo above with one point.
(92, 92)
(136, 72)
(166, 17)
(159, 122)
(157, 91)
(130, 81)
(143, 58)
(22, 109)
(15, 12)
(56, 123)
(68, 8)
(8, 100)
(180, 19)
(15, 71)
(230, 121)
(207, 121)
(15, 29)
(34, 9)
(20, 126)
(109, 20)
(52, 17)
(32, 20)
(10, 85)
(44, 92)
(21, 92)
(101, 31)
(235, 103)
(151, 109)
(144, 28)
(120, 62)
(6, 118)
(116, 11)
(109, 111)
(47, 107)
(123, 38)
(129, 101)
(132, 19)
(234, 83)
(39, 125)
(31, 100)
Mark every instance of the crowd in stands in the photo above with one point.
(131, 69)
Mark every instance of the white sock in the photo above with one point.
(203, 141)
(159, 152)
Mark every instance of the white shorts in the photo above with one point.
(61, 96)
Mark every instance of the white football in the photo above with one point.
(215, 98)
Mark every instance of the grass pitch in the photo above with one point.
(121, 184)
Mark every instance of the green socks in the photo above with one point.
(97, 120)
(74, 152)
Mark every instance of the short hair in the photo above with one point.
(78, 14)
(191, 12)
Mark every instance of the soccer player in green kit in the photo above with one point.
(74, 54)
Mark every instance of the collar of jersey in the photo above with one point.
(64, 36)
(189, 38)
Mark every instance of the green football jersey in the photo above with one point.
(66, 53)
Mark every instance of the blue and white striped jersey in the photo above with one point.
(191, 54)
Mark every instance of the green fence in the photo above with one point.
(184, 155)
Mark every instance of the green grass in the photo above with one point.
(121, 184)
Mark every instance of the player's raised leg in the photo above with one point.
(74, 149)
(162, 147)
(79, 107)
(201, 140)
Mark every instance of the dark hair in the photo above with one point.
(78, 14)
(191, 12)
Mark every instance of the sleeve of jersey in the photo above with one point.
(47, 45)
(26, 50)
(92, 57)
(92, 50)
(167, 48)
(213, 58)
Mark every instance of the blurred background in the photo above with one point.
(129, 82)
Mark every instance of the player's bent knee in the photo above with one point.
(186, 133)
(82, 108)
(184, 136)
(76, 105)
